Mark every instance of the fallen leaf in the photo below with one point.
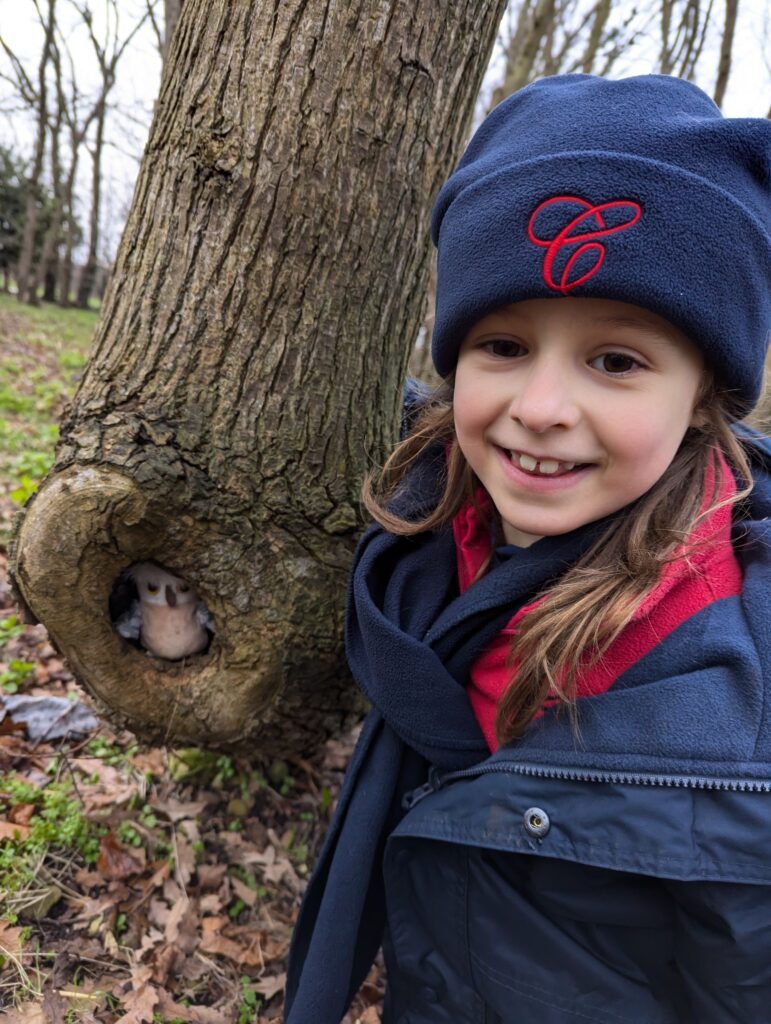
(28, 1013)
(140, 1005)
(210, 875)
(164, 961)
(10, 940)
(181, 930)
(9, 830)
(271, 985)
(20, 814)
(153, 761)
(213, 941)
(244, 892)
(211, 903)
(95, 909)
(8, 727)
(184, 858)
(53, 1006)
(192, 1014)
(115, 860)
(178, 810)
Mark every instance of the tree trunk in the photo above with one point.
(250, 359)
(49, 279)
(45, 276)
(171, 12)
(27, 276)
(524, 48)
(88, 275)
(726, 50)
(666, 62)
(64, 276)
(596, 35)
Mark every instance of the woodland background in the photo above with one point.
(158, 883)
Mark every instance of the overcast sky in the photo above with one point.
(748, 95)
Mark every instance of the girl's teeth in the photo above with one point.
(547, 466)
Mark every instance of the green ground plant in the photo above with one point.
(57, 823)
(47, 348)
(16, 670)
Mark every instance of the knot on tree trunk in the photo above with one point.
(88, 525)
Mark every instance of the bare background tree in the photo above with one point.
(60, 104)
(35, 95)
(108, 53)
(164, 30)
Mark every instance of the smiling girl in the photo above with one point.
(559, 808)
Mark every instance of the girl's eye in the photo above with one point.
(183, 588)
(152, 588)
(616, 363)
(504, 347)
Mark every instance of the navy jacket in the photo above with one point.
(626, 877)
(524, 895)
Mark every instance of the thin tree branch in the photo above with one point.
(726, 50)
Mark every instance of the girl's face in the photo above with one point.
(569, 409)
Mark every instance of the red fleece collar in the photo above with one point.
(686, 586)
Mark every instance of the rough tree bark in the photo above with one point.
(249, 363)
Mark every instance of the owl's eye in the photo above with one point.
(153, 588)
(183, 588)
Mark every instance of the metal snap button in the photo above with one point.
(537, 822)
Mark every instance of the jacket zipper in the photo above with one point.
(436, 780)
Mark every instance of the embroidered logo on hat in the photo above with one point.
(582, 229)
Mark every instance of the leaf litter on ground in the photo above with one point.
(159, 886)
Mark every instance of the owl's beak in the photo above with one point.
(171, 597)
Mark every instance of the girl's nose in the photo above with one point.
(545, 399)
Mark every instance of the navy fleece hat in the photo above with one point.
(637, 190)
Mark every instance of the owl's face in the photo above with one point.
(157, 586)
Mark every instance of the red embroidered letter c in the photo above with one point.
(584, 240)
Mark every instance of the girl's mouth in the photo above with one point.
(542, 467)
(541, 475)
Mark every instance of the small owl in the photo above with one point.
(168, 619)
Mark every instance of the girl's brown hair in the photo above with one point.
(586, 609)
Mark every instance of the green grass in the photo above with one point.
(44, 351)
(57, 823)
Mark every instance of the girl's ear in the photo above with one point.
(704, 397)
(698, 417)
